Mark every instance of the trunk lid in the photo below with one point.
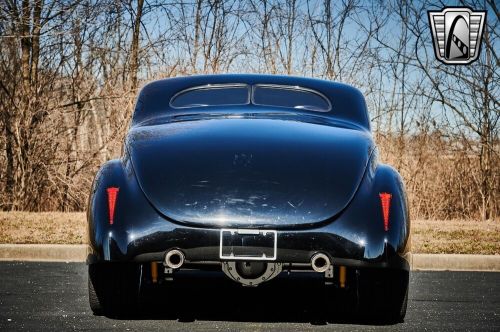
(248, 172)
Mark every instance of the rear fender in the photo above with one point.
(361, 224)
(388, 180)
(366, 211)
(133, 212)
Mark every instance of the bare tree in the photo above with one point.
(70, 71)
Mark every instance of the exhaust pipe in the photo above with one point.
(174, 259)
(320, 262)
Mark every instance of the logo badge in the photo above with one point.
(457, 34)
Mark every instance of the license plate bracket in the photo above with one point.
(248, 244)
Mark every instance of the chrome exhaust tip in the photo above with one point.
(174, 259)
(320, 262)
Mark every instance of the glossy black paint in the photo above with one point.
(248, 172)
(187, 173)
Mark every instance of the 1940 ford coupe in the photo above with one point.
(251, 175)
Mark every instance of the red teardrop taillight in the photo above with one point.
(112, 195)
(385, 201)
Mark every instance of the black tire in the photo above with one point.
(114, 288)
(383, 295)
(94, 288)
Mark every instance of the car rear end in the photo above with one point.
(250, 190)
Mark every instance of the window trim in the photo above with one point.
(213, 86)
(293, 88)
(251, 94)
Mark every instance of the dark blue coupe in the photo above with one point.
(251, 175)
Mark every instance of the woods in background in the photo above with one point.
(70, 72)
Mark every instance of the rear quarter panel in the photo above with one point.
(133, 212)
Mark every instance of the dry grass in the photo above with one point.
(456, 237)
(43, 227)
(428, 236)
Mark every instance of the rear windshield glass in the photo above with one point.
(212, 95)
(290, 96)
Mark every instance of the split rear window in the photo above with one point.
(212, 95)
(286, 96)
(290, 97)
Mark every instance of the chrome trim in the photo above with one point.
(169, 255)
(249, 231)
(322, 268)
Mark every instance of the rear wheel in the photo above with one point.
(94, 289)
(383, 295)
(114, 288)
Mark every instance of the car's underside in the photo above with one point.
(366, 291)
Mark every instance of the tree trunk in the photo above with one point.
(134, 65)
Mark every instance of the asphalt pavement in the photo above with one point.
(53, 296)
